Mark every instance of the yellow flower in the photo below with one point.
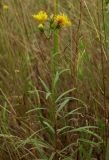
(5, 7)
(62, 20)
(41, 16)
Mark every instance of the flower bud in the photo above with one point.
(41, 27)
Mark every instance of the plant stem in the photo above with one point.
(56, 42)
(54, 70)
(56, 6)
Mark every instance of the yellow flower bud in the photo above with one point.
(41, 27)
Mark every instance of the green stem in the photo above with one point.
(56, 43)
(56, 6)
(54, 70)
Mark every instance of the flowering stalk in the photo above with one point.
(55, 23)
(54, 70)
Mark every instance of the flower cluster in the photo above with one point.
(62, 20)
(41, 16)
(54, 21)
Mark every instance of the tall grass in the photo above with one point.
(54, 91)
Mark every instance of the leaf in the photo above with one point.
(64, 128)
(56, 79)
(57, 76)
(65, 93)
(94, 134)
(39, 143)
(72, 112)
(89, 142)
(7, 136)
(76, 99)
(44, 85)
(49, 126)
(80, 101)
(80, 129)
(35, 109)
(68, 146)
(48, 95)
(62, 105)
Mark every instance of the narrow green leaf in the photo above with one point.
(62, 105)
(44, 85)
(57, 76)
(89, 142)
(49, 126)
(65, 93)
(64, 128)
(35, 109)
(48, 95)
(72, 112)
(80, 129)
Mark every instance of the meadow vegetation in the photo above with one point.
(54, 93)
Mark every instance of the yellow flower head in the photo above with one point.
(5, 7)
(62, 20)
(41, 16)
